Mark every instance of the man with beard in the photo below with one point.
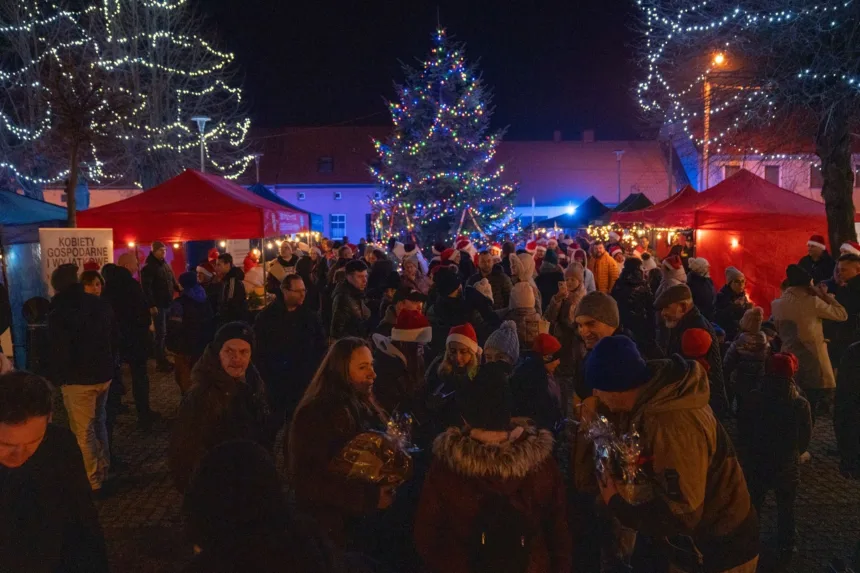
(283, 265)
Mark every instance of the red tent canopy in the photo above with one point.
(194, 206)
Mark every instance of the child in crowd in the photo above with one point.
(743, 365)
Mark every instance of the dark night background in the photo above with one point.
(552, 64)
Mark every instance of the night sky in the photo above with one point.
(552, 64)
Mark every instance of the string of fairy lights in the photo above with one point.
(441, 120)
(655, 93)
(109, 50)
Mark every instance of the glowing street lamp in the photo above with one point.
(718, 60)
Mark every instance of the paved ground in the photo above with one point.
(143, 524)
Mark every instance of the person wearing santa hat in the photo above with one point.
(531, 247)
(540, 253)
(399, 362)
(450, 308)
(449, 373)
(618, 255)
(817, 263)
(496, 252)
(850, 248)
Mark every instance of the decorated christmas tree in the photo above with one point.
(436, 170)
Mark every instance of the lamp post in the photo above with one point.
(618, 154)
(201, 125)
(257, 157)
(719, 60)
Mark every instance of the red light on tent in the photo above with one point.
(175, 245)
(735, 243)
(131, 244)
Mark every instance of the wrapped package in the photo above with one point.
(373, 457)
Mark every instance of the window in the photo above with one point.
(338, 226)
(338, 195)
(729, 170)
(771, 173)
(325, 165)
(301, 196)
(816, 179)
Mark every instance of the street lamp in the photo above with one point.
(201, 125)
(719, 60)
(618, 154)
(257, 157)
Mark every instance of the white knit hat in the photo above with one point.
(483, 286)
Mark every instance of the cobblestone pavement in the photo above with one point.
(143, 525)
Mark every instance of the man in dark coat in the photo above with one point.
(549, 276)
(846, 412)
(159, 284)
(680, 314)
(349, 314)
(841, 335)
(232, 300)
(495, 275)
(635, 302)
(48, 523)
(82, 334)
(731, 303)
(290, 345)
(131, 311)
(817, 263)
(227, 401)
(190, 328)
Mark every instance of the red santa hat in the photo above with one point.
(817, 241)
(353, 247)
(249, 263)
(438, 249)
(206, 268)
(616, 250)
(465, 335)
(496, 248)
(213, 254)
(614, 236)
(552, 244)
(91, 265)
(531, 247)
(450, 255)
(673, 262)
(850, 248)
(411, 326)
(540, 248)
(463, 244)
(637, 252)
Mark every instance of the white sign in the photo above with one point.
(76, 246)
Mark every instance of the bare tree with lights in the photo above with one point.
(791, 70)
(436, 168)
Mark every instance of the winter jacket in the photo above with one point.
(635, 305)
(319, 432)
(670, 278)
(158, 282)
(377, 277)
(535, 394)
(500, 283)
(190, 323)
(131, 312)
(442, 398)
(846, 409)
(448, 312)
(232, 300)
(83, 338)
(278, 269)
(547, 282)
(694, 485)
(523, 268)
(395, 388)
(528, 325)
(349, 314)
(703, 294)
(560, 314)
(694, 319)
(217, 409)
(729, 309)
(743, 365)
(421, 284)
(774, 427)
(483, 308)
(820, 270)
(313, 274)
(389, 318)
(798, 316)
(49, 523)
(841, 335)
(289, 348)
(467, 265)
(466, 471)
(605, 272)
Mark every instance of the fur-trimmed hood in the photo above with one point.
(525, 450)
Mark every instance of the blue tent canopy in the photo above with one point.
(262, 191)
(20, 210)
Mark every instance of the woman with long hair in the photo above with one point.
(337, 406)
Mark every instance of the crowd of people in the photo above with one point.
(502, 360)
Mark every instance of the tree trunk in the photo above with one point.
(833, 147)
(71, 185)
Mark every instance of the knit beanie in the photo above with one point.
(446, 281)
(752, 320)
(411, 326)
(64, 276)
(484, 287)
(234, 492)
(505, 340)
(188, 280)
(157, 246)
(700, 266)
(601, 307)
(733, 274)
(575, 270)
(486, 402)
(522, 296)
(783, 364)
(797, 276)
(550, 257)
(615, 365)
(233, 331)
(673, 294)
(695, 345)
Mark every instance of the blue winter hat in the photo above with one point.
(718, 330)
(188, 280)
(615, 365)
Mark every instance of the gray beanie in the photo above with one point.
(505, 340)
(601, 307)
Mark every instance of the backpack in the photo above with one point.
(502, 537)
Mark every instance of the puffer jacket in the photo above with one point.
(729, 309)
(465, 471)
(635, 305)
(694, 485)
(158, 282)
(743, 365)
(798, 316)
(605, 271)
(349, 314)
(217, 409)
